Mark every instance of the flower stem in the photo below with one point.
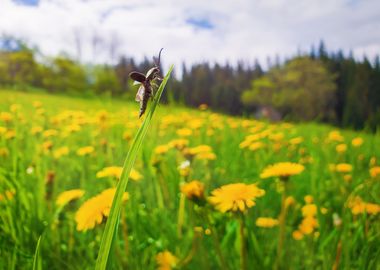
(243, 247)
(282, 226)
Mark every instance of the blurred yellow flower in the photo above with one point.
(115, 171)
(4, 152)
(256, 145)
(36, 130)
(49, 133)
(282, 170)
(341, 148)
(83, 151)
(10, 134)
(308, 224)
(166, 260)
(69, 195)
(193, 190)
(343, 167)
(358, 206)
(184, 132)
(308, 199)
(161, 149)
(198, 149)
(94, 209)
(6, 117)
(375, 171)
(335, 136)
(309, 210)
(266, 222)
(3, 130)
(8, 195)
(206, 156)
(356, 142)
(62, 151)
(179, 143)
(235, 197)
(296, 141)
(297, 235)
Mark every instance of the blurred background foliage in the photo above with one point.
(328, 87)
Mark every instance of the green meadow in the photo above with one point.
(203, 193)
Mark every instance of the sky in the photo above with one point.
(194, 31)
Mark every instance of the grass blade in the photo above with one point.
(36, 259)
(112, 221)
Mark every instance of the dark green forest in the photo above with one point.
(322, 86)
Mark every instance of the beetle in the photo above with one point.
(146, 82)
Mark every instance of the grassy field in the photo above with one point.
(317, 209)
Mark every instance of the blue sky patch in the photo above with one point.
(27, 2)
(200, 23)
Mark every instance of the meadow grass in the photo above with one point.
(52, 144)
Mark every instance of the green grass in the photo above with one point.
(149, 219)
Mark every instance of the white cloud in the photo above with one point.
(242, 29)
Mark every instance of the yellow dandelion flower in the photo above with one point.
(36, 130)
(6, 116)
(375, 171)
(343, 168)
(115, 171)
(244, 144)
(276, 137)
(7, 196)
(184, 132)
(93, 210)
(282, 169)
(297, 235)
(372, 208)
(50, 133)
(347, 178)
(62, 151)
(341, 148)
(206, 156)
(4, 152)
(335, 136)
(358, 206)
(324, 210)
(10, 134)
(309, 210)
(193, 190)
(266, 222)
(308, 225)
(46, 146)
(166, 260)
(69, 195)
(235, 197)
(356, 142)
(179, 143)
(198, 149)
(289, 201)
(83, 151)
(37, 104)
(256, 145)
(161, 149)
(296, 141)
(3, 130)
(308, 199)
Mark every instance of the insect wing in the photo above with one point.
(140, 94)
(137, 76)
(152, 73)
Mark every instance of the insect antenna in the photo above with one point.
(159, 58)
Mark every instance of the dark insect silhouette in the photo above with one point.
(146, 84)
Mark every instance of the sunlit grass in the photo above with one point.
(58, 153)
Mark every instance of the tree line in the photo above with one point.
(328, 87)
